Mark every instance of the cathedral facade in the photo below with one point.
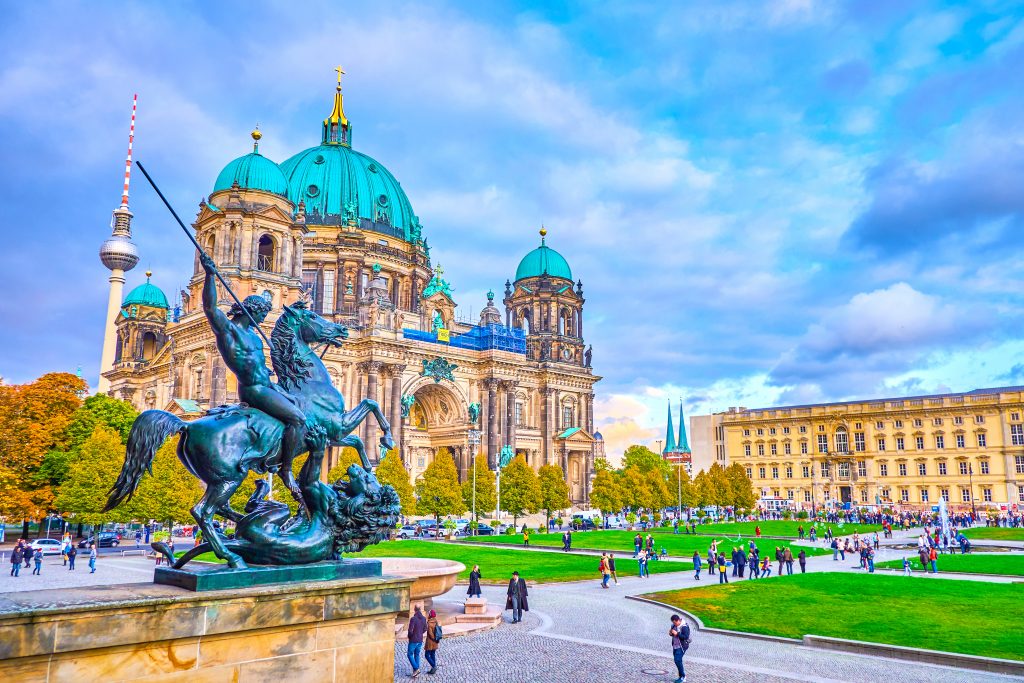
(333, 227)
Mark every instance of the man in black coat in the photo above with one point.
(516, 600)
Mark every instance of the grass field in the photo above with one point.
(497, 564)
(677, 545)
(932, 614)
(783, 528)
(1008, 565)
(995, 533)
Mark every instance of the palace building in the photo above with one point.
(904, 453)
(333, 226)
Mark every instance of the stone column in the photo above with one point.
(510, 413)
(370, 429)
(396, 404)
(545, 424)
(492, 422)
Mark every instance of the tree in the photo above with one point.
(719, 490)
(96, 410)
(33, 420)
(90, 476)
(391, 470)
(520, 489)
(742, 489)
(644, 459)
(605, 494)
(170, 493)
(602, 465)
(486, 493)
(681, 487)
(635, 491)
(701, 490)
(554, 492)
(438, 488)
(347, 457)
(659, 495)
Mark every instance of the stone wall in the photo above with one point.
(317, 631)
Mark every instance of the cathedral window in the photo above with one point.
(328, 304)
(148, 346)
(265, 255)
(567, 417)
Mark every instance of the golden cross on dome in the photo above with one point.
(439, 270)
(341, 73)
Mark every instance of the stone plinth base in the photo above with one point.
(476, 605)
(312, 631)
(210, 577)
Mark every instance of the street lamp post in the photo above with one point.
(474, 441)
(970, 475)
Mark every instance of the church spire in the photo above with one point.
(337, 129)
(682, 444)
(670, 435)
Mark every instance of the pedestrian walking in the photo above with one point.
(72, 554)
(735, 564)
(566, 541)
(696, 565)
(835, 550)
(907, 570)
(787, 557)
(723, 569)
(611, 568)
(138, 540)
(680, 634)
(641, 562)
(752, 565)
(27, 553)
(602, 568)
(417, 629)
(526, 536)
(474, 582)
(17, 555)
(871, 561)
(92, 558)
(433, 642)
(802, 557)
(516, 599)
(637, 542)
(933, 557)
(766, 568)
(37, 560)
(779, 558)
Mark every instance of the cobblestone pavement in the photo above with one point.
(109, 570)
(579, 632)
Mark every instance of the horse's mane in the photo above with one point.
(290, 362)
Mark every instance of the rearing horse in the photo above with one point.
(229, 442)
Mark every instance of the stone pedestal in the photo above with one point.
(476, 605)
(312, 631)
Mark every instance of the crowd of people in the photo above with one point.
(23, 555)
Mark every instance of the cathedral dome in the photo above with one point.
(543, 261)
(146, 294)
(336, 182)
(253, 172)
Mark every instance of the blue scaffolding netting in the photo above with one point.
(479, 338)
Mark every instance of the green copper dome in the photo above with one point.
(543, 261)
(338, 183)
(252, 172)
(146, 294)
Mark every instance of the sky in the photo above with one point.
(767, 202)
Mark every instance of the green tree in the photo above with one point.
(391, 470)
(438, 488)
(554, 492)
(605, 494)
(719, 490)
(486, 492)
(602, 465)
(635, 490)
(681, 486)
(167, 496)
(644, 459)
(520, 489)
(90, 476)
(100, 410)
(741, 488)
(701, 490)
(659, 495)
(347, 457)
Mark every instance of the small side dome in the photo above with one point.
(597, 435)
(253, 172)
(146, 294)
(543, 261)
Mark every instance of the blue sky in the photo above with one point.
(767, 202)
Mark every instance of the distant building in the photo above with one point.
(907, 453)
(677, 450)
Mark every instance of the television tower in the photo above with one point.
(119, 254)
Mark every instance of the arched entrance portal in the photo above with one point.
(437, 423)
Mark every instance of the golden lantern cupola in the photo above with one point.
(337, 130)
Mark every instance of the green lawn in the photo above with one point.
(677, 545)
(783, 528)
(995, 533)
(933, 614)
(1009, 565)
(497, 564)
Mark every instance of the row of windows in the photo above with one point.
(844, 469)
(842, 445)
(924, 494)
(897, 424)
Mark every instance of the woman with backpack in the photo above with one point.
(433, 642)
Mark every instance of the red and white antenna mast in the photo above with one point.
(128, 160)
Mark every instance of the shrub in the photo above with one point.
(787, 514)
(631, 518)
(559, 521)
(645, 519)
(802, 514)
(657, 516)
(541, 529)
(494, 524)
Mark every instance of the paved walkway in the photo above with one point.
(578, 632)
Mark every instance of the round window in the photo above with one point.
(319, 159)
(382, 200)
(372, 168)
(312, 190)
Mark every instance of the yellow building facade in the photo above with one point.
(904, 453)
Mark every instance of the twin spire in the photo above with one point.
(672, 444)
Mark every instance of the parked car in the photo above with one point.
(49, 546)
(582, 524)
(408, 531)
(483, 530)
(107, 539)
